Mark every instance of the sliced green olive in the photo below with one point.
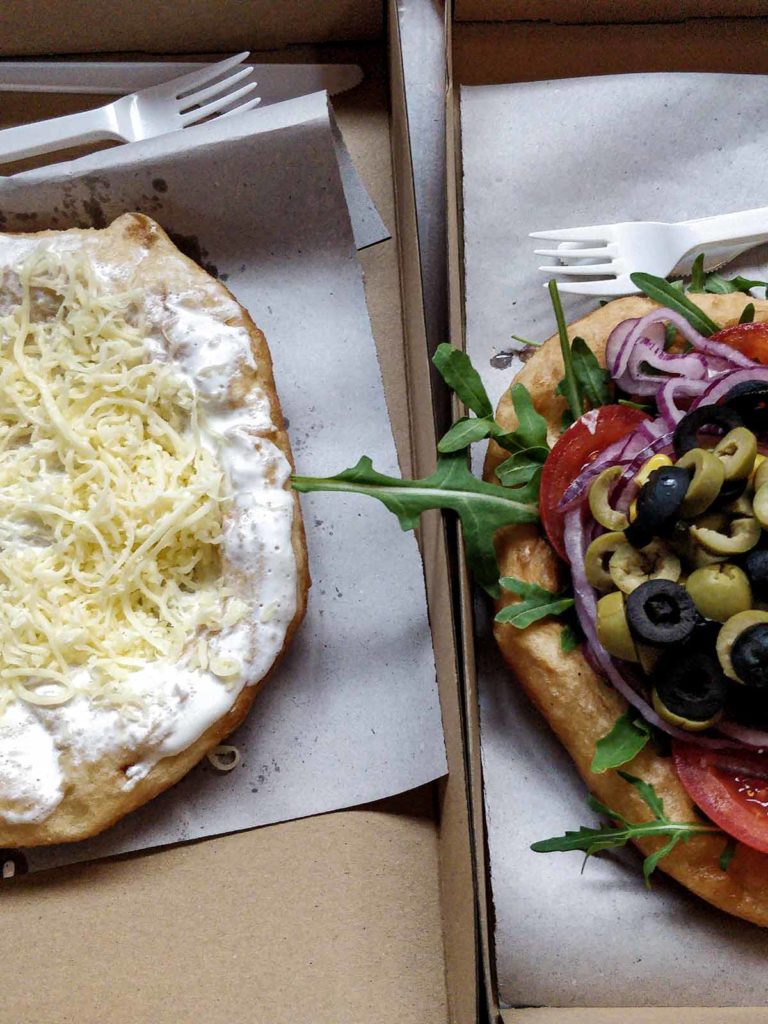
(737, 450)
(612, 629)
(720, 591)
(600, 506)
(743, 532)
(682, 723)
(693, 554)
(760, 505)
(630, 568)
(761, 473)
(596, 559)
(730, 632)
(708, 477)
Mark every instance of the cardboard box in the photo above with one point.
(529, 41)
(364, 915)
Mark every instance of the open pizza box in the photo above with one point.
(524, 154)
(358, 915)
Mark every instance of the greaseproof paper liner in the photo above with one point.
(352, 713)
(545, 155)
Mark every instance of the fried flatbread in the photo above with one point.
(139, 256)
(577, 703)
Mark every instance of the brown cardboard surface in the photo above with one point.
(603, 10)
(483, 53)
(184, 26)
(332, 919)
(486, 53)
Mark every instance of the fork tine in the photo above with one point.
(587, 270)
(617, 286)
(592, 234)
(241, 109)
(205, 74)
(576, 254)
(200, 113)
(196, 98)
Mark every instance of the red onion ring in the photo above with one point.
(721, 385)
(614, 347)
(742, 733)
(661, 365)
(674, 388)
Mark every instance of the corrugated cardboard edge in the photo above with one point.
(484, 54)
(456, 864)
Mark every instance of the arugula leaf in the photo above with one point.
(483, 508)
(697, 275)
(719, 285)
(729, 852)
(670, 335)
(607, 837)
(465, 432)
(666, 294)
(652, 860)
(625, 740)
(747, 314)
(520, 467)
(531, 429)
(634, 405)
(460, 375)
(585, 384)
(527, 341)
(647, 792)
(528, 441)
(569, 383)
(593, 380)
(536, 603)
(570, 638)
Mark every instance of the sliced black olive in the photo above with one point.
(704, 637)
(755, 565)
(749, 655)
(661, 612)
(686, 433)
(748, 706)
(731, 491)
(691, 688)
(658, 503)
(750, 400)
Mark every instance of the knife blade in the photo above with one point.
(276, 82)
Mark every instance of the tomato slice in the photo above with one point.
(749, 339)
(730, 787)
(581, 443)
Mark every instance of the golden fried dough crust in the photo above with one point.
(94, 796)
(577, 703)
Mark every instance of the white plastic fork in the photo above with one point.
(609, 253)
(177, 104)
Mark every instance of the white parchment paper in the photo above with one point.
(352, 713)
(557, 154)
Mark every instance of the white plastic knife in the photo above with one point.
(277, 82)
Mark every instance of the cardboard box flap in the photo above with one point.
(565, 11)
(187, 26)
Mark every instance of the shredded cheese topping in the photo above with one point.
(111, 506)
